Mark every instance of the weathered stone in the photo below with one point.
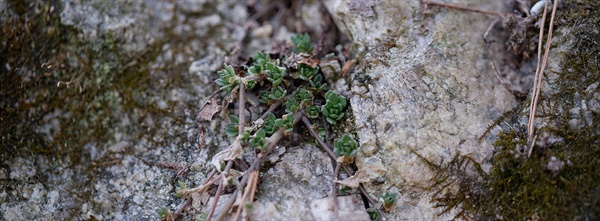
(424, 82)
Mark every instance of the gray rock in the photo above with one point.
(423, 82)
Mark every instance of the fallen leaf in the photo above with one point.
(361, 176)
(231, 153)
(209, 108)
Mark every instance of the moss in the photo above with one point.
(521, 188)
(107, 83)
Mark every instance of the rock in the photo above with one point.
(424, 82)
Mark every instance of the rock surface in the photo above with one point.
(424, 82)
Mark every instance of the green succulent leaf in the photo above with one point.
(250, 84)
(275, 73)
(317, 83)
(312, 111)
(333, 109)
(302, 43)
(389, 198)
(227, 78)
(277, 93)
(245, 137)
(286, 122)
(270, 126)
(345, 146)
(291, 105)
(259, 141)
(307, 72)
(232, 129)
(303, 95)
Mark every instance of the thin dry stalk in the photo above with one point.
(462, 8)
(362, 190)
(539, 73)
(334, 192)
(219, 190)
(250, 190)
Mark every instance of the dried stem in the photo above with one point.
(227, 206)
(344, 167)
(250, 190)
(463, 8)
(314, 133)
(219, 190)
(334, 192)
(241, 115)
(271, 108)
(539, 73)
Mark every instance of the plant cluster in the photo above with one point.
(288, 94)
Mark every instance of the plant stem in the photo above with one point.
(462, 8)
(334, 192)
(344, 167)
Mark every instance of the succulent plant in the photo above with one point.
(227, 78)
(317, 82)
(286, 122)
(333, 109)
(307, 72)
(275, 73)
(275, 93)
(259, 140)
(388, 199)
(345, 146)
(270, 126)
(291, 105)
(302, 43)
(250, 84)
(303, 95)
(232, 129)
(312, 111)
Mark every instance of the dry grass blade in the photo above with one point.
(539, 74)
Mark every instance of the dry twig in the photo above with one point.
(539, 73)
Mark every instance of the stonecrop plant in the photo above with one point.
(288, 92)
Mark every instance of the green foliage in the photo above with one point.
(317, 83)
(163, 212)
(227, 78)
(232, 129)
(307, 72)
(389, 198)
(312, 111)
(250, 84)
(334, 108)
(373, 215)
(344, 190)
(286, 122)
(303, 95)
(291, 105)
(276, 93)
(259, 62)
(259, 141)
(275, 74)
(245, 137)
(345, 146)
(302, 43)
(270, 126)
(182, 187)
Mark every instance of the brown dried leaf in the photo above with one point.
(347, 66)
(361, 176)
(231, 153)
(209, 108)
(309, 61)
